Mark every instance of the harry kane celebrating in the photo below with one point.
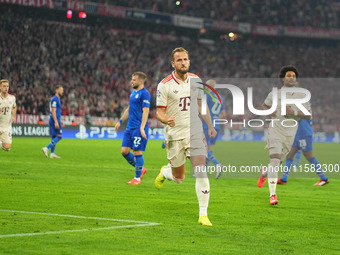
(178, 102)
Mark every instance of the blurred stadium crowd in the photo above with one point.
(320, 14)
(94, 63)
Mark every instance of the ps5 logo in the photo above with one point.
(82, 134)
(103, 132)
(96, 132)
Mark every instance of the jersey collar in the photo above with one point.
(4, 97)
(177, 80)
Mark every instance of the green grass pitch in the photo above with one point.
(90, 181)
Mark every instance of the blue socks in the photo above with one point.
(286, 169)
(212, 158)
(297, 158)
(130, 158)
(315, 163)
(135, 161)
(139, 165)
(53, 143)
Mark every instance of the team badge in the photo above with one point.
(137, 96)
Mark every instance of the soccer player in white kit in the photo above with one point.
(178, 102)
(281, 138)
(8, 110)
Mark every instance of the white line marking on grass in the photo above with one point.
(62, 165)
(75, 216)
(78, 230)
(138, 224)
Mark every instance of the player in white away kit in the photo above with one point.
(8, 110)
(281, 138)
(178, 102)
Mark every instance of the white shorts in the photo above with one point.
(179, 150)
(6, 136)
(279, 144)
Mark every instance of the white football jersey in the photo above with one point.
(6, 106)
(180, 100)
(288, 121)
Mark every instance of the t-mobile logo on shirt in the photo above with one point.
(184, 102)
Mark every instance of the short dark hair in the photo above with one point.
(140, 75)
(58, 86)
(179, 49)
(286, 69)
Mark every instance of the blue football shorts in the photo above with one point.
(133, 139)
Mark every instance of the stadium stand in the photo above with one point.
(94, 63)
(305, 13)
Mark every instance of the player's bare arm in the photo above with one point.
(54, 116)
(124, 117)
(14, 113)
(161, 116)
(207, 118)
(144, 120)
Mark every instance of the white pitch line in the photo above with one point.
(61, 165)
(75, 216)
(78, 230)
(139, 224)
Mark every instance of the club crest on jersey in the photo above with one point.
(137, 96)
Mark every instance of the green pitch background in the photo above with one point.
(90, 180)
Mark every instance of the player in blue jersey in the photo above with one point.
(56, 124)
(303, 141)
(217, 111)
(136, 133)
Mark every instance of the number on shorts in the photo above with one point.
(303, 143)
(136, 141)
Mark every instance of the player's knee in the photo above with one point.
(6, 147)
(124, 151)
(179, 179)
(290, 155)
(308, 154)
